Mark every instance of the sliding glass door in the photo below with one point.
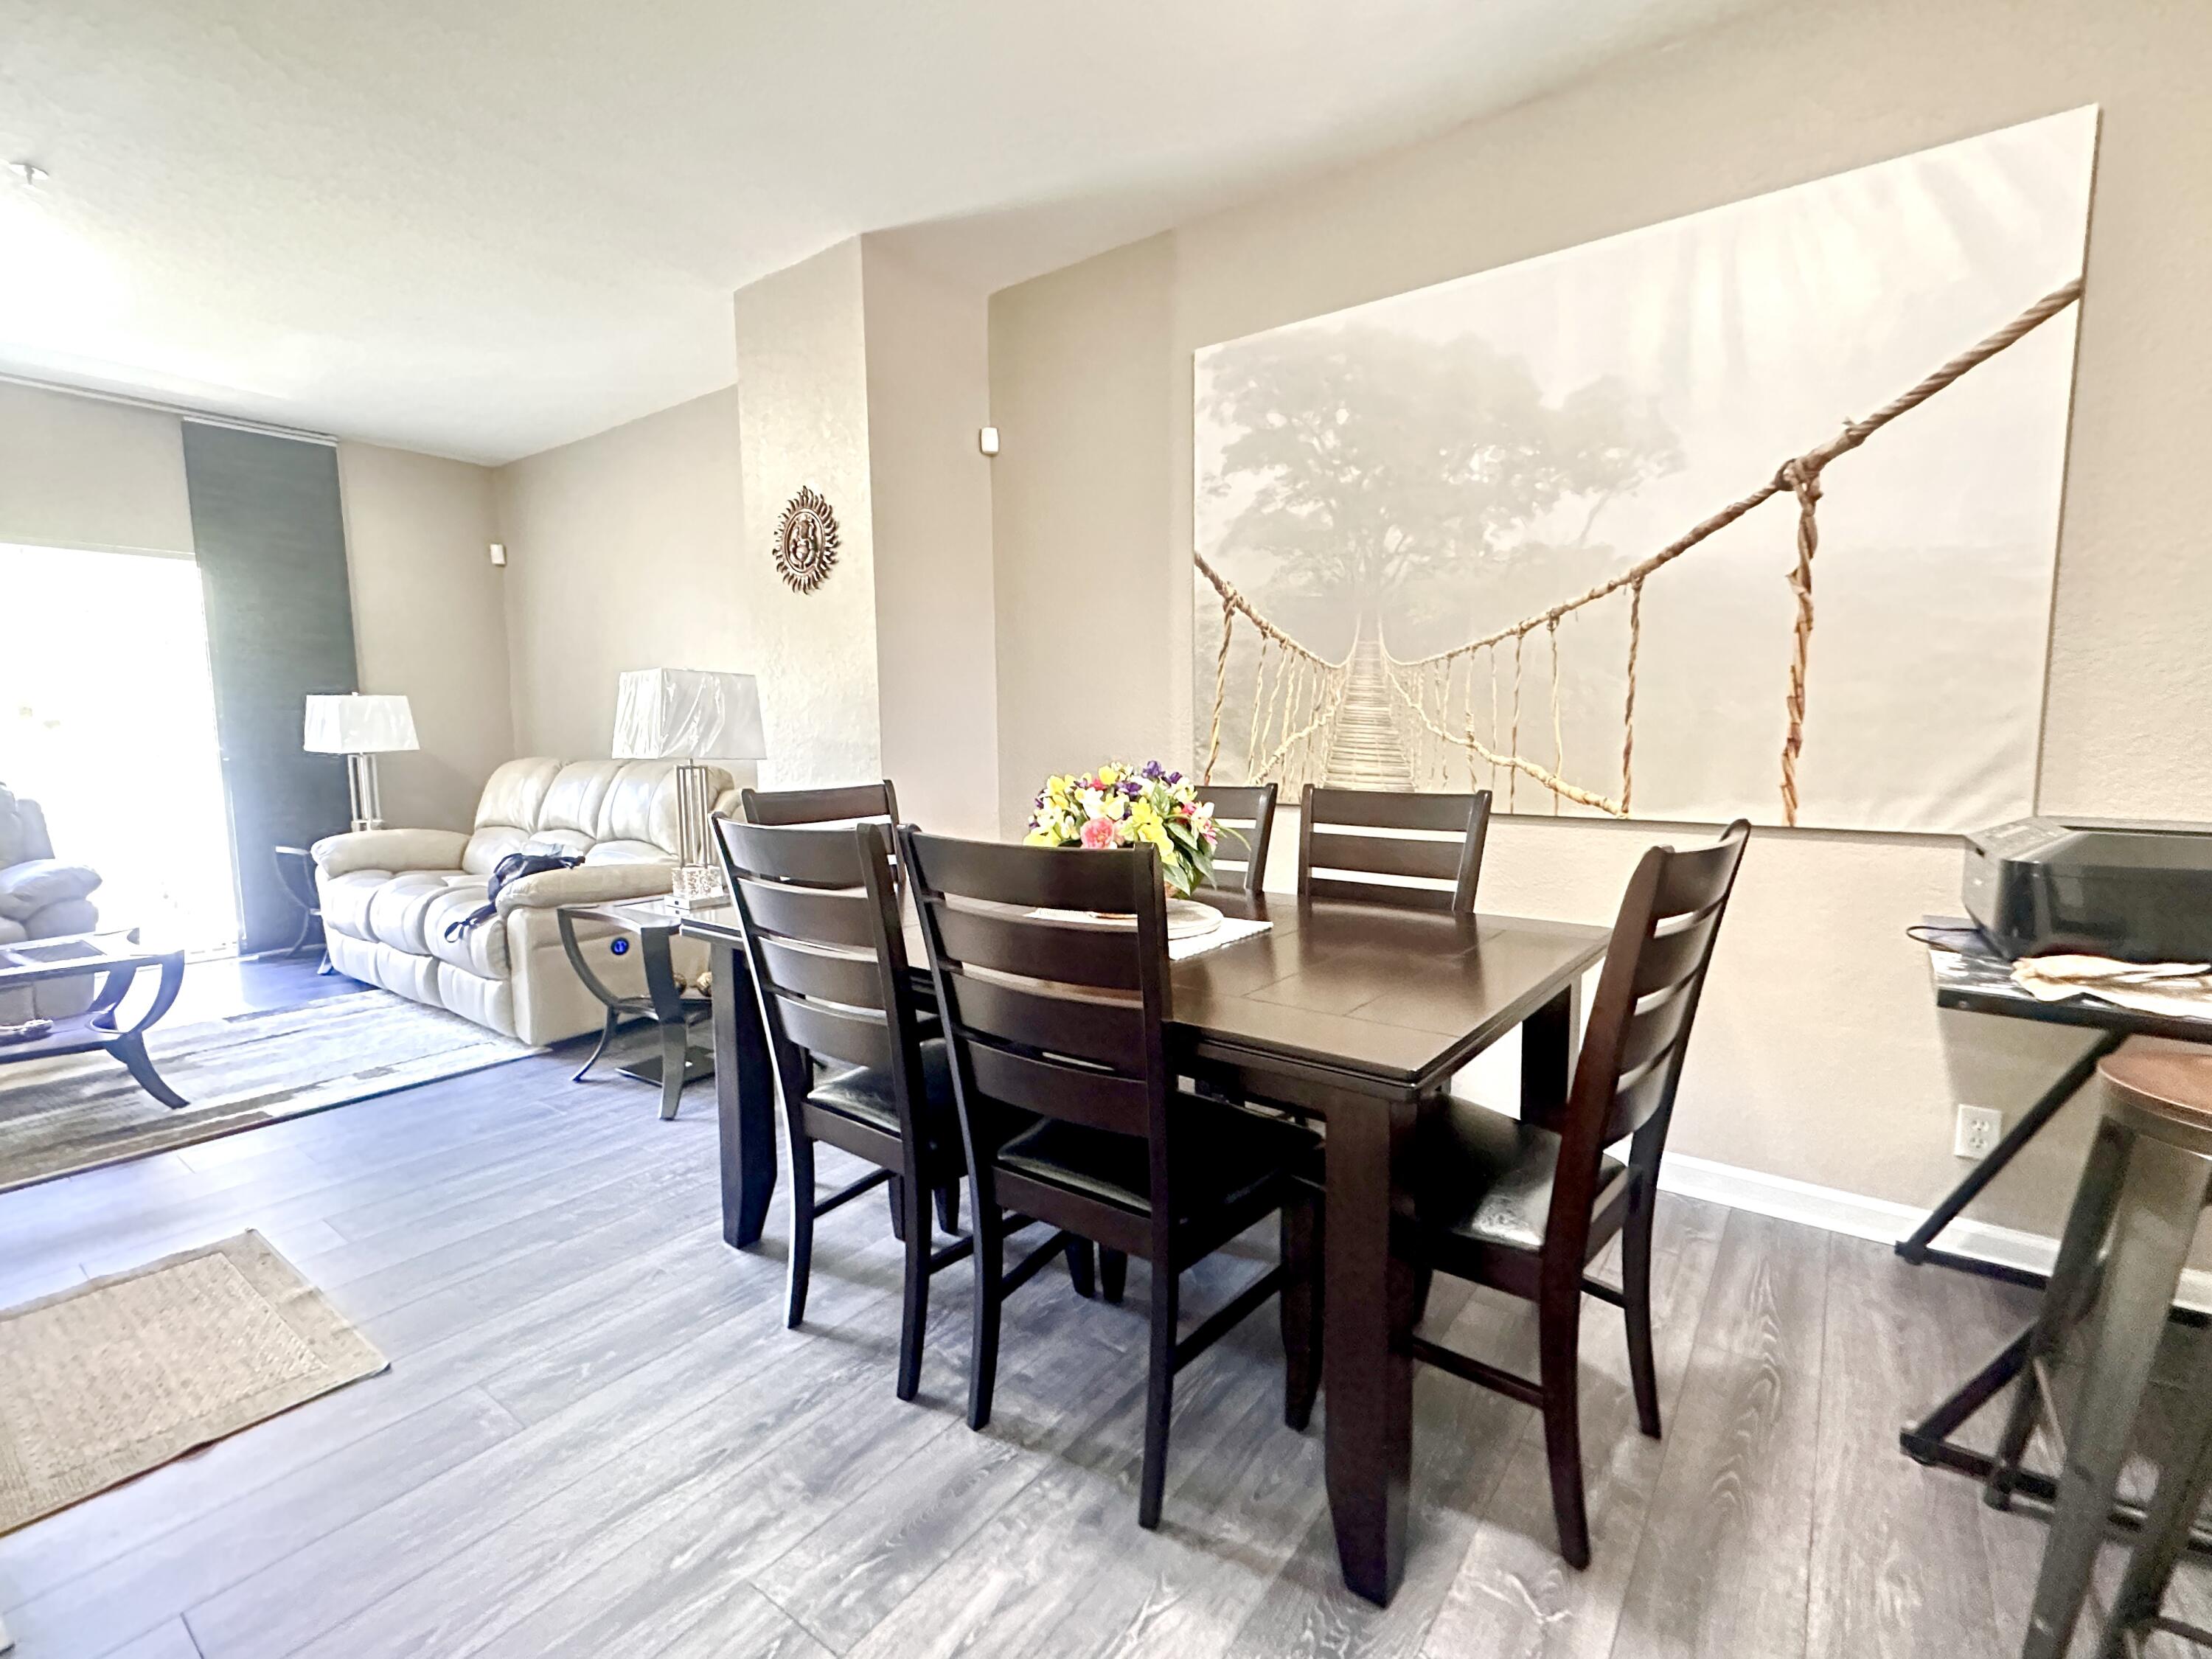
(107, 721)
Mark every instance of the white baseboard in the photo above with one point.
(1878, 1219)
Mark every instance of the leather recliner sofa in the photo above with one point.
(41, 897)
(390, 895)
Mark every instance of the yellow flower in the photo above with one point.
(1039, 838)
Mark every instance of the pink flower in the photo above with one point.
(1098, 834)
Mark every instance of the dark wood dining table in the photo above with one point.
(1354, 1014)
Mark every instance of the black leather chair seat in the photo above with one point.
(866, 1094)
(1225, 1157)
(1488, 1177)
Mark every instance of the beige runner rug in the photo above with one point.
(113, 1378)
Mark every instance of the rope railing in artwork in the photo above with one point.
(1306, 687)
(1410, 681)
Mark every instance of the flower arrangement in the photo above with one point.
(1120, 805)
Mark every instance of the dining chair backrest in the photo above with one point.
(820, 912)
(1246, 813)
(1647, 1000)
(842, 805)
(1051, 1004)
(1415, 851)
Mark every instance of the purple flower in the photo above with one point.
(1133, 789)
(1175, 777)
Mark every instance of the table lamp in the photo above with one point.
(690, 716)
(361, 729)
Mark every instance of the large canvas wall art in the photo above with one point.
(1751, 512)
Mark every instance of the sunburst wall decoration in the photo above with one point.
(806, 541)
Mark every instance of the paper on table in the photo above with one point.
(1233, 929)
(1227, 930)
(2182, 989)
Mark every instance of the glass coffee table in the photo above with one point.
(119, 958)
(667, 1003)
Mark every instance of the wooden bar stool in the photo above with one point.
(2120, 1260)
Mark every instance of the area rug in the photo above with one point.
(116, 1377)
(58, 1116)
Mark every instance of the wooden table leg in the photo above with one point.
(744, 1099)
(1547, 1057)
(1367, 1371)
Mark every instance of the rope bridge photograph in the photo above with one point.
(1505, 532)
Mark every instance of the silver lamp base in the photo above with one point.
(368, 801)
(698, 882)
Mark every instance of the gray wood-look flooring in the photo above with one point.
(596, 1437)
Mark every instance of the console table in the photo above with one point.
(1969, 976)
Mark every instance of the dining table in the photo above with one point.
(1352, 1014)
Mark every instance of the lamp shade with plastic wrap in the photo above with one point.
(687, 713)
(353, 724)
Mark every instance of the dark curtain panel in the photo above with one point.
(271, 546)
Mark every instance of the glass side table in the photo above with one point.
(646, 925)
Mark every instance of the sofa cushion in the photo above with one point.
(396, 909)
(12, 931)
(491, 843)
(641, 807)
(346, 899)
(22, 830)
(61, 918)
(573, 801)
(29, 887)
(628, 851)
(482, 951)
(514, 794)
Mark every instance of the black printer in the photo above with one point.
(2135, 890)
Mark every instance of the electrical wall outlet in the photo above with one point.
(1976, 1135)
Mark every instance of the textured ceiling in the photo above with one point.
(483, 228)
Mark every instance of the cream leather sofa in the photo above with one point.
(41, 897)
(389, 895)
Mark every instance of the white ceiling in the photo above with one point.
(483, 228)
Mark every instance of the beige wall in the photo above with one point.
(803, 399)
(85, 472)
(430, 622)
(623, 552)
(1818, 1054)
(650, 545)
(1092, 661)
(936, 664)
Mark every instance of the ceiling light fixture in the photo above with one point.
(29, 171)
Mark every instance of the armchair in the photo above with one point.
(41, 897)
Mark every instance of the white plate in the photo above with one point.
(1187, 918)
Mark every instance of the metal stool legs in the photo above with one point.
(2173, 1508)
(2149, 1191)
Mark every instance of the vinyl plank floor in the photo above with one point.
(596, 1437)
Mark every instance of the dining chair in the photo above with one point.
(841, 805)
(1524, 1209)
(1054, 1008)
(823, 935)
(1429, 856)
(1246, 813)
